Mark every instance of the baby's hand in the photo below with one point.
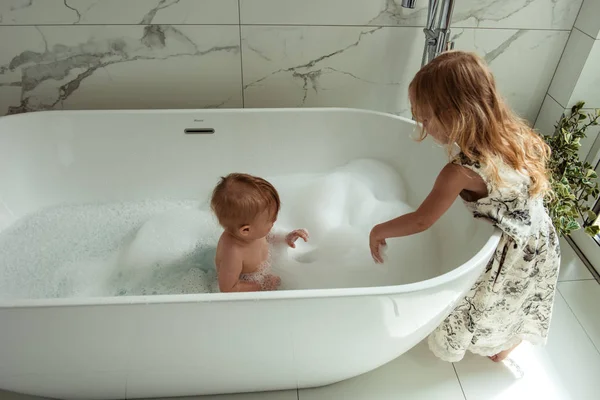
(291, 237)
(271, 282)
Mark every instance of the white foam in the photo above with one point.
(168, 247)
(169, 237)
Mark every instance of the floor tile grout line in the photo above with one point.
(585, 33)
(578, 321)
(552, 97)
(577, 280)
(584, 259)
(459, 382)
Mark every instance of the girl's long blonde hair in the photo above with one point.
(459, 90)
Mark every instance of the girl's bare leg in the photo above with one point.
(503, 354)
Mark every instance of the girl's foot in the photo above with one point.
(503, 354)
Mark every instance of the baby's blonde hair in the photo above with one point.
(459, 90)
(239, 198)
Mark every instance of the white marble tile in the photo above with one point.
(584, 297)
(548, 116)
(372, 67)
(523, 62)
(588, 85)
(571, 266)
(105, 67)
(587, 20)
(28, 12)
(567, 368)
(330, 66)
(332, 12)
(572, 63)
(592, 142)
(517, 14)
(416, 375)
(589, 145)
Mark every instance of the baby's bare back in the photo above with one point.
(254, 258)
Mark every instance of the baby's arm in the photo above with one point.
(448, 185)
(229, 271)
(280, 237)
(276, 237)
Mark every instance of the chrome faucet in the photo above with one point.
(437, 28)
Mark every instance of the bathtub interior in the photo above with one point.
(53, 159)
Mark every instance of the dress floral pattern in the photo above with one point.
(513, 299)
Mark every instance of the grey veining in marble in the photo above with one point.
(329, 67)
(162, 4)
(186, 53)
(50, 76)
(516, 14)
(523, 62)
(334, 66)
(73, 12)
(491, 55)
(306, 73)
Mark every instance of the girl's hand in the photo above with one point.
(376, 243)
(291, 237)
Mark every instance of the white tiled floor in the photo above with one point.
(571, 269)
(567, 368)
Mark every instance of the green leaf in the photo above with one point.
(592, 230)
(573, 181)
(573, 226)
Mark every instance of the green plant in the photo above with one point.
(573, 182)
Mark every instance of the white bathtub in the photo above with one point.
(177, 345)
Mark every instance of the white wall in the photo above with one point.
(577, 77)
(78, 54)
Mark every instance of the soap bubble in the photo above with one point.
(168, 247)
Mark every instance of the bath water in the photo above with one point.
(168, 247)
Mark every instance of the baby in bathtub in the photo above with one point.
(247, 207)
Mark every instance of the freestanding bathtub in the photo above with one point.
(177, 345)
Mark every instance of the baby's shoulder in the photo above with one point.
(228, 249)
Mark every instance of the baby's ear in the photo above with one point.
(245, 230)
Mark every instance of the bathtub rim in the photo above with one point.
(211, 110)
(481, 257)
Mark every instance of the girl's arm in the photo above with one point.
(450, 182)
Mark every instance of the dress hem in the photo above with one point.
(536, 340)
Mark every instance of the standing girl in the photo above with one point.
(499, 171)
